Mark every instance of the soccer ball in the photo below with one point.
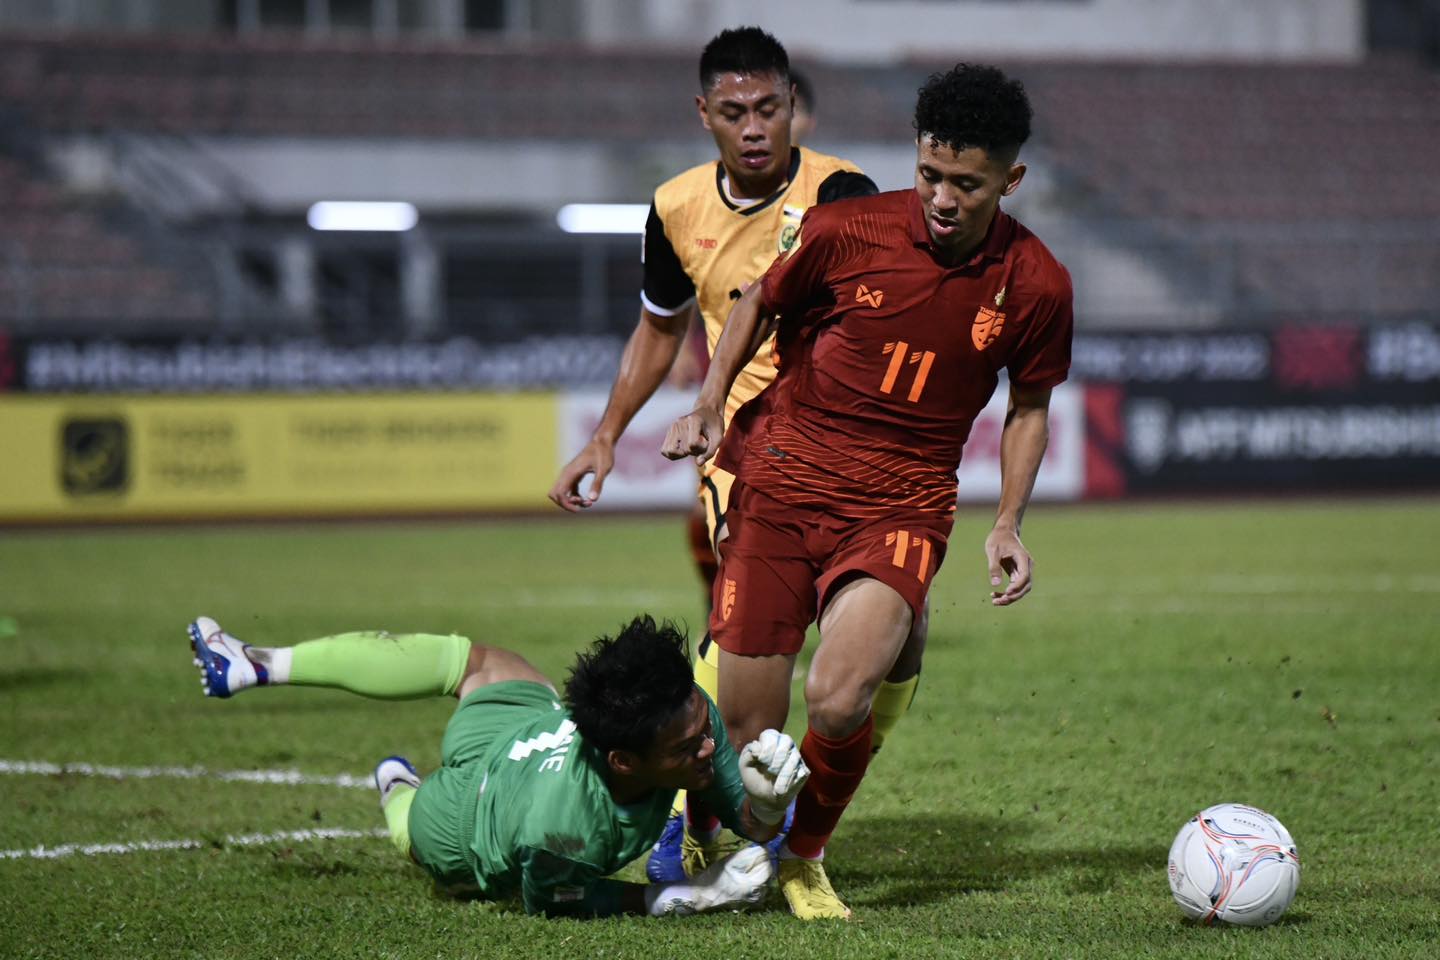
(1234, 863)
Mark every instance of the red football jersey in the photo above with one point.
(887, 355)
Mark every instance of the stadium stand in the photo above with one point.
(1301, 190)
(61, 261)
(1319, 177)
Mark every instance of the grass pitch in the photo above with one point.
(1171, 657)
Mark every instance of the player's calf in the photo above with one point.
(396, 780)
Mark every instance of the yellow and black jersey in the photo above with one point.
(701, 245)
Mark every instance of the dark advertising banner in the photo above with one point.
(298, 365)
(1328, 408)
(1294, 408)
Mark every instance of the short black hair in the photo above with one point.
(973, 105)
(804, 90)
(745, 50)
(623, 689)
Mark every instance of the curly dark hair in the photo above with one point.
(746, 50)
(623, 689)
(973, 105)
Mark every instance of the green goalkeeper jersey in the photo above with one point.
(542, 822)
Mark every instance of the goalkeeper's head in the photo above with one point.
(633, 698)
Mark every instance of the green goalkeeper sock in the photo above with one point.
(385, 666)
(397, 816)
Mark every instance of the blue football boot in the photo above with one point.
(666, 864)
(225, 669)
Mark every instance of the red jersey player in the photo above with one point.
(894, 316)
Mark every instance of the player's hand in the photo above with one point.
(697, 434)
(773, 773)
(734, 883)
(1008, 558)
(596, 459)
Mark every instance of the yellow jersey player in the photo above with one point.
(704, 245)
(711, 232)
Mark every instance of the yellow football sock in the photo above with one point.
(891, 702)
(397, 816)
(707, 667)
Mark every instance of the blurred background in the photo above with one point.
(1244, 191)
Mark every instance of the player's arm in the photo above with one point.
(773, 773)
(1022, 447)
(751, 791)
(748, 326)
(668, 299)
(649, 354)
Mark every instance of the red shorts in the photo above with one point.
(782, 563)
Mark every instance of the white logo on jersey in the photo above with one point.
(558, 742)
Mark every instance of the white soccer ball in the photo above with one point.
(1234, 863)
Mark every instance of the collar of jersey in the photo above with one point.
(761, 205)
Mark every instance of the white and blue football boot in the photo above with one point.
(666, 863)
(392, 772)
(225, 668)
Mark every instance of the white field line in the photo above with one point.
(285, 777)
(282, 777)
(43, 852)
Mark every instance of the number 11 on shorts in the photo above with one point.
(905, 543)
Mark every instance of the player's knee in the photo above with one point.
(836, 712)
(907, 664)
(488, 665)
(743, 728)
(919, 628)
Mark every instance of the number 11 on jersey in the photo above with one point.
(899, 351)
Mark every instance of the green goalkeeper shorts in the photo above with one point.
(442, 818)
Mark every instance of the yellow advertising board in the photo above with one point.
(122, 457)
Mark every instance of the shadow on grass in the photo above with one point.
(286, 864)
(37, 678)
(1292, 918)
(938, 856)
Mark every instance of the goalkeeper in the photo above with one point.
(537, 798)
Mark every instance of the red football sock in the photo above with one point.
(698, 818)
(836, 769)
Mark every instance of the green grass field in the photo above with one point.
(1171, 657)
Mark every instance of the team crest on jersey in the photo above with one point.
(986, 327)
(790, 228)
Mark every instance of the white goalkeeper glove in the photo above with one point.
(773, 773)
(734, 883)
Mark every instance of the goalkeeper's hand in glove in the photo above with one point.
(735, 883)
(773, 773)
